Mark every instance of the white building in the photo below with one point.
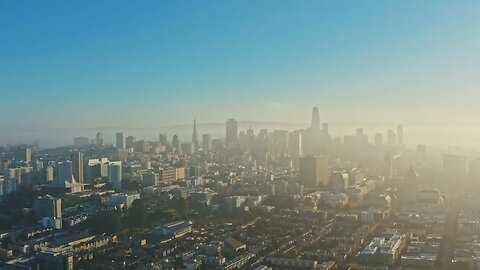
(124, 199)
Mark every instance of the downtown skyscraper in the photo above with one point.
(195, 135)
(77, 158)
(231, 137)
(120, 140)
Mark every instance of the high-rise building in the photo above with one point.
(49, 174)
(99, 139)
(195, 143)
(176, 144)
(115, 174)
(280, 143)
(339, 181)
(378, 139)
(49, 209)
(64, 173)
(250, 141)
(314, 171)
(400, 143)
(295, 146)
(23, 154)
(312, 143)
(151, 179)
(325, 129)
(392, 139)
(315, 120)
(141, 146)
(77, 158)
(97, 168)
(162, 138)
(119, 140)
(206, 142)
(231, 137)
(130, 142)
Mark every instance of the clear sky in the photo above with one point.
(82, 64)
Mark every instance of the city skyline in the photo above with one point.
(239, 135)
(421, 67)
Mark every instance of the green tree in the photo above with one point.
(137, 214)
(108, 222)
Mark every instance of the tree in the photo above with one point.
(108, 222)
(137, 214)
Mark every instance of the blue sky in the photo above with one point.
(81, 64)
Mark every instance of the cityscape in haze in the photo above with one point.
(239, 135)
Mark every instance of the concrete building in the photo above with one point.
(162, 139)
(339, 181)
(64, 173)
(151, 179)
(77, 158)
(124, 199)
(206, 142)
(295, 150)
(314, 171)
(119, 140)
(49, 209)
(231, 137)
(115, 174)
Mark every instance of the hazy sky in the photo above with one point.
(79, 64)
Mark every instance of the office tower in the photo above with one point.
(392, 138)
(176, 144)
(23, 154)
(151, 179)
(400, 142)
(261, 146)
(99, 139)
(325, 129)
(295, 146)
(314, 171)
(280, 143)
(378, 139)
(195, 143)
(339, 181)
(119, 140)
(141, 146)
(162, 138)
(312, 141)
(454, 167)
(130, 142)
(206, 142)
(49, 209)
(315, 121)
(115, 174)
(77, 158)
(231, 137)
(187, 148)
(242, 139)
(81, 142)
(97, 168)
(64, 173)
